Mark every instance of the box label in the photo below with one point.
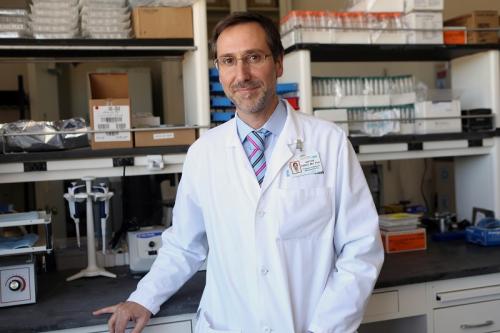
(164, 136)
(112, 118)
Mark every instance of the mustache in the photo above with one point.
(245, 85)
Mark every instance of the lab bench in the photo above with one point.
(408, 286)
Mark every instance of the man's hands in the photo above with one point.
(123, 313)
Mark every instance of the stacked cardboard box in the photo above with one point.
(480, 19)
(163, 22)
(426, 18)
(400, 233)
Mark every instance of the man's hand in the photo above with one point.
(122, 314)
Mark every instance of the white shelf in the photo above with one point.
(25, 219)
(97, 167)
(24, 250)
(17, 219)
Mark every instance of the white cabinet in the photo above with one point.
(477, 318)
(173, 324)
(397, 302)
(469, 304)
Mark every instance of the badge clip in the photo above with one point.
(299, 145)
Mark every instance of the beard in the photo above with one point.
(254, 103)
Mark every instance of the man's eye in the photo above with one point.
(227, 61)
(254, 58)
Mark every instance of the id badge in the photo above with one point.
(304, 164)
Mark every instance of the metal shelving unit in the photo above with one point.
(393, 52)
(73, 164)
(43, 244)
(475, 70)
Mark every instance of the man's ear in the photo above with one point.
(279, 66)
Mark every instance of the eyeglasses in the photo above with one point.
(253, 59)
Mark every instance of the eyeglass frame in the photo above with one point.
(217, 65)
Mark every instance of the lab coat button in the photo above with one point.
(267, 329)
(261, 213)
(264, 271)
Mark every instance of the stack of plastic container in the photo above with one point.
(326, 27)
(13, 23)
(105, 19)
(54, 19)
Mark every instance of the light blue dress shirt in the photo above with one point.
(274, 125)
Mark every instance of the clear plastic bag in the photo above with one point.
(58, 5)
(59, 12)
(65, 2)
(106, 28)
(13, 19)
(105, 11)
(13, 34)
(56, 35)
(103, 3)
(13, 12)
(120, 20)
(161, 3)
(44, 135)
(54, 27)
(108, 35)
(12, 27)
(52, 20)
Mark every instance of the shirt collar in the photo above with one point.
(274, 124)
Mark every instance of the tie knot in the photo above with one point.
(257, 138)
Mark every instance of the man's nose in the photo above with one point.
(242, 70)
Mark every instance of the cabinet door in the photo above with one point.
(474, 318)
(176, 327)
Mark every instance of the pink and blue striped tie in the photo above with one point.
(256, 156)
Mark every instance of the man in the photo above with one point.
(289, 252)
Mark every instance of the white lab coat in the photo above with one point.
(299, 254)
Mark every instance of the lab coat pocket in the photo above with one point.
(304, 212)
(204, 326)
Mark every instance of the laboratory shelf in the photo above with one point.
(417, 139)
(394, 147)
(78, 163)
(38, 247)
(24, 49)
(43, 243)
(393, 52)
(81, 153)
(23, 219)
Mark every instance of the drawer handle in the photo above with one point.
(467, 326)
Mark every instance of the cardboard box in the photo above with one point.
(404, 241)
(424, 5)
(477, 20)
(424, 20)
(163, 22)
(165, 137)
(109, 109)
(262, 3)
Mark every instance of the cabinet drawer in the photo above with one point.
(383, 303)
(474, 318)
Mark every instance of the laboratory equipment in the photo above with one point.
(17, 281)
(102, 195)
(143, 247)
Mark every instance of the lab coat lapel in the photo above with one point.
(284, 149)
(237, 159)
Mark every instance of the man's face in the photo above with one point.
(251, 87)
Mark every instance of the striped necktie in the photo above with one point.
(256, 155)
